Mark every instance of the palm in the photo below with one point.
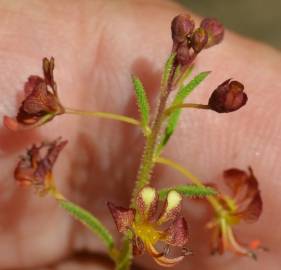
(95, 58)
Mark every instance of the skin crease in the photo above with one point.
(97, 46)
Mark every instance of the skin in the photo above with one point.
(97, 45)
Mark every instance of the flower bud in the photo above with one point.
(183, 55)
(228, 97)
(214, 29)
(182, 26)
(199, 39)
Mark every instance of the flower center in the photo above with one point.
(146, 232)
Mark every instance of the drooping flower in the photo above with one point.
(150, 228)
(41, 103)
(35, 168)
(245, 204)
(228, 97)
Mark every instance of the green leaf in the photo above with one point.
(187, 89)
(185, 75)
(167, 70)
(179, 99)
(89, 221)
(142, 101)
(188, 191)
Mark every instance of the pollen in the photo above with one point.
(147, 233)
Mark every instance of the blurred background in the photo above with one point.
(259, 19)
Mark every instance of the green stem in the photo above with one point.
(105, 115)
(212, 199)
(147, 162)
(186, 105)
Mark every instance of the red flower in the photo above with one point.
(35, 168)
(228, 97)
(41, 103)
(245, 204)
(149, 228)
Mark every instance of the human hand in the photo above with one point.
(97, 46)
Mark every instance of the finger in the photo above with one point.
(108, 79)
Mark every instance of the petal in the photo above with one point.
(252, 185)
(215, 31)
(138, 246)
(38, 100)
(168, 262)
(46, 164)
(35, 168)
(12, 124)
(146, 202)
(32, 82)
(177, 233)
(29, 123)
(161, 259)
(172, 207)
(24, 176)
(41, 100)
(235, 179)
(216, 241)
(253, 211)
(123, 217)
(228, 97)
(48, 69)
(235, 246)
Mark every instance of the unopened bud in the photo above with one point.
(199, 39)
(182, 26)
(215, 31)
(228, 97)
(183, 55)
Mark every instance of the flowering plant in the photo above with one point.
(154, 221)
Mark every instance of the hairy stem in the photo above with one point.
(147, 162)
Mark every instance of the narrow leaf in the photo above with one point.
(188, 191)
(179, 99)
(89, 221)
(187, 89)
(142, 101)
(167, 70)
(185, 75)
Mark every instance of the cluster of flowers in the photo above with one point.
(189, 42)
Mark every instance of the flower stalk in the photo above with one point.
(105, 115)
(186, 105)
(192, 178)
